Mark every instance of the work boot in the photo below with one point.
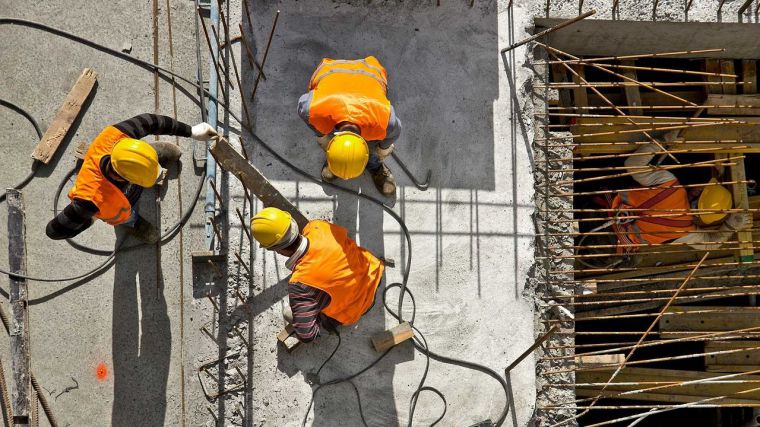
(384, 181)
(327, 174)
(144, 231)
(168, 153)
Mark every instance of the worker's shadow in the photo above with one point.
(141, 337)
(337, 405)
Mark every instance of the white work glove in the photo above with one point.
(203, 132)
(382, 153)
(738, 221)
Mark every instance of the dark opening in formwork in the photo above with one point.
(643, 126)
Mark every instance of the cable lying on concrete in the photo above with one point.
(420, 342)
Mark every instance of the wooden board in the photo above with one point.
(713, 66)
(746, 253)
(599, 360)
(649, 98)
(394, 336)
(721, 319)
(749, 76)
(580, 95)
(747, 357)
(750, 105)
(66, 115)
(231, 161)
(727, 67)
(679, 394)
(632, 93)
(559, 74)
(19, 328)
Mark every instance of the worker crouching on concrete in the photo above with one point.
(654, 211)
(116, 168)
(333, 281)
(348, 108)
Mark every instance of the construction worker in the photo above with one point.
(655, 211)
(356, 125)
(333, 281)
(116, 168)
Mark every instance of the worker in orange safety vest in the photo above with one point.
(348, 108)
(116, 169)
(334, 280)
(662, 212)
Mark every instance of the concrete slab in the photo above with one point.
(470, 260)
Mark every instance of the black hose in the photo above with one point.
(38, 130)
(421, 343)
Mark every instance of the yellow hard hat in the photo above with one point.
(347, 155)
(714, 197)
(274, 228)
(136, 161)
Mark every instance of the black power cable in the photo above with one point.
(38, 130)
(419, 343)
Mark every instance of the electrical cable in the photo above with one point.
(38, 130)
(420, 344)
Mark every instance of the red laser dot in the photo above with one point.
(101, 371)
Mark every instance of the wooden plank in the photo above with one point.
(580, 95)
(632, 93)
(287, 337)
(231, 161)
(599, 360)
(394, 336)
(66, 115)
(680, 394)
(749, 76)
(747, 131)
(750, 105)
(727, 67)
(746, 358)
(746, 252)
(651, 98)
(713, 66)
(19, 328)
(722, 319)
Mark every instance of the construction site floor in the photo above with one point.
(471, 230)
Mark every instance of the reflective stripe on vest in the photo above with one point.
(335, 264)
(92, 185)
(351, 91)
(649, 228)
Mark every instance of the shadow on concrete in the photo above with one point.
(449, 130)
(141, 338)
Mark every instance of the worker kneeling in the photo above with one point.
(333, 281)
(116, 168)
(662, 212)
(347, 106)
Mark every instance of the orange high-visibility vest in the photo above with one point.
(648, 229)
(335, 264)
(92, 185)
(350, 91)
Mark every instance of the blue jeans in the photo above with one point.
(374, 163)
(132, 218)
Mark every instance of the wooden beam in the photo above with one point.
(391, 337)
(727, 67)
(739, 361)
(723, 318)
(713, 66)
(676, 394)
(648, 98)
(66, 115)
(749, 76)
(599, 360)
(750, 105)
(746, 252)
(19, 330)
(234, 163)
(580, 95)
(287, 337)
(632, 93)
